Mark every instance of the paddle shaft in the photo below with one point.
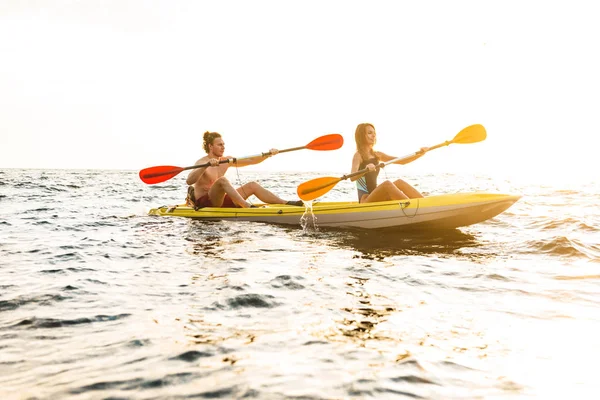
(227, 160)
(292, 149)
(407, 157)
(380, 165)
(162, 173)
(334, 182)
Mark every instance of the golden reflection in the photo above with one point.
(199, 331)
(364, 325)
(206, 238)
(361, 325)
(209, 246)
(576, 277)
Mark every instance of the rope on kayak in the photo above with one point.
(405, 204)
(237, 173)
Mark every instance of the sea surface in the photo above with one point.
(99, 300)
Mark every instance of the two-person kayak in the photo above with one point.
(447, 211)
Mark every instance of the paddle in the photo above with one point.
(318, 187)
(163, 173)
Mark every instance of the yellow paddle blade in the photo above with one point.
(316, 188)
(471, 134)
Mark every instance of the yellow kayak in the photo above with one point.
(446, 211)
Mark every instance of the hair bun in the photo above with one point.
(209, 138)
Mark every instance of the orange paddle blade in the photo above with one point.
(327, 142)
(159, 174)
(316, 188)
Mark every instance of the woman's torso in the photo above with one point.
(368, 182)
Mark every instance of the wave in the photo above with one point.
(44, 323)
(564, 246)
(562, 223)
(251, 300)
(41, 300)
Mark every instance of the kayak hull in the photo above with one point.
(433, 212)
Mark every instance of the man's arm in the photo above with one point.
(256, 159)
(197, 172)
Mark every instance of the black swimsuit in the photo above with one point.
(368, 182)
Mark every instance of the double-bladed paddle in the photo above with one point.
(312, 189)
(163, 173)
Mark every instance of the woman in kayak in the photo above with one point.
(210, 188)
(367, 158)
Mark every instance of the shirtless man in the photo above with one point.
(210, 188)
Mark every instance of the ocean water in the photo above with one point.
(100, 300)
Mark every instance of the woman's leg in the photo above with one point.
(408, 190)
(253, 188)
(384, 192)
(220, 188)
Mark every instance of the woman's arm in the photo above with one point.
(356, 160)
(385, 158)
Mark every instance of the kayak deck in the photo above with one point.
(447, 211)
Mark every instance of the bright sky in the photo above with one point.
(128, 84)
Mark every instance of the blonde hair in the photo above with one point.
(209, 138)
(360, 136)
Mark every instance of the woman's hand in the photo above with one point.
(273, 152)
(371, 167)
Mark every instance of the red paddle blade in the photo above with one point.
(328, 142)
(159, 174)
(316, 188)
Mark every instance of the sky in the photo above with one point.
(123, 84)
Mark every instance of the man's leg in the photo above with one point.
(220, 188)
(253, 188)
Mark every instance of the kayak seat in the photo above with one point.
(190, 199)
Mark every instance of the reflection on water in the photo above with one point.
(363, 318)
(377, 245)
(207, 237)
